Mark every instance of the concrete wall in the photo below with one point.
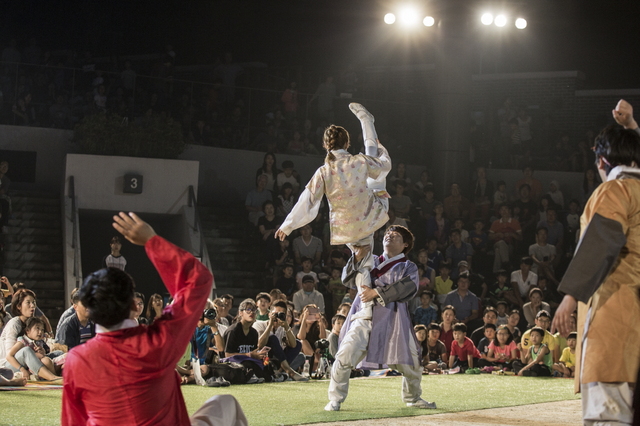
(99, 181)
(51, 145)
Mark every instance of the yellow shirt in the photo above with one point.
(441, 286)
(568, 358)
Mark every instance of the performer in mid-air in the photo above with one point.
(603, 277)
(355, 188)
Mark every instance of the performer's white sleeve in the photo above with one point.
(378, 167)
(305, 210)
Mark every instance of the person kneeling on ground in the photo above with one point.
(463, 351)
(126, 374)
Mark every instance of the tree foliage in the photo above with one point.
(150, 136)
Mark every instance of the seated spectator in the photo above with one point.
(78, 328)
(500, 197)
(555, 235)
(336, 288)
(138, 300)
(270, 171)
(309, 246)
(522, 280)
(435, 356)
(28, 354)
(276, 334)
(280, 256)
(542, 254)
(428, 203)
(428, 272)
(256, 198)
(459, 225)
(535, 305)
(566, 366)
(455, 205)
(489, 334)
(572, 226)
(438, 227)
(490, 316)
(502, 317)
(306, 270)
(505, 232)
(534, 184)
(446, 326)
(501, 291)
(67, 313)
(512, 323)
(344, 309)
(207, 337)
(444, 283)
(463, 351)
(556, 194)
(425, 314)
(310, 330)
(420, 185)
(241, 342)
(277, 295)
(477, 284)
(525, 210)
(308, 295)
(502, 350)
(399, 202)
(38, 312)
(287, 282)
(155, 307)
(464, 302)
(23, 306)
(400, 176)
(263, 302)
(537, 359)
(336, 326)
(482, 194)
(286, 200)
(268, 223)
(543, 321)
(434, 255)
(457, 252)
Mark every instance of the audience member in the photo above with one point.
(115, 259)
(455, 205)
(542, 321)
(489, 334)
(29, 353)
(444, 283)
(336, 326)
(463, 351)
(263, 302)
(502, 350)
(446, 326)
(308, 295)
(535, 305)
(256, 199)
(566, 366)
(505, 232)
(435, 355)
(438, 226)
(537, 359)
(155, 307)
(78, 328)
(466, 304)
(425, 314)
(457, 252)
(138, 301)
(490, 316)
(534, 184)
(307, 245)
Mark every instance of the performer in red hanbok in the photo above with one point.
(126, 374)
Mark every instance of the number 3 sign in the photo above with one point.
(132, 184)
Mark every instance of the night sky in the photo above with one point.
(596, 37)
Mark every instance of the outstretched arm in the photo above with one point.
(623, 114)
(306, 209)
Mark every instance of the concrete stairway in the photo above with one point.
(33, 249)
(237, 257)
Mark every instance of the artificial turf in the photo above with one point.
(293, 403)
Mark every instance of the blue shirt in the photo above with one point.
(425, 316)
(463, 306)
(200, 338)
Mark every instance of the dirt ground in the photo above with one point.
(562, 413)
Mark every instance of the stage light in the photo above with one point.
(428, 21)
(408, 17)
(501, 21)
(487, 19)
(521, 23)
(389, 18)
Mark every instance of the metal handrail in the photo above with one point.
(197, 227)
(74, 240)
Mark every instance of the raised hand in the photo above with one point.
(623, 114)
(133, 228)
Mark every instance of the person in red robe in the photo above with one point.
(126, 374)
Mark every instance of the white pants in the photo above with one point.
(219, 410)
(353, 349)
(604, 403)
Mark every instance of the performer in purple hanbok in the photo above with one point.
(387, 338)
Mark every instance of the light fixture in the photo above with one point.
(408, 17)
(389, 18)
(501, 21)
(521, 23)
(428, 21)
(486, 19)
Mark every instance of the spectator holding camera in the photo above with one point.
(277, 335)
(311, 329)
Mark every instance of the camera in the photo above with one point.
(282, 316)
(210, 314)
(322, 344)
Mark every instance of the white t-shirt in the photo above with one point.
(115, 262)
(524, 286)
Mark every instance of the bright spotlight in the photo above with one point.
(501, 21)
(428, 21)
(521, 23)
(408, 17)
(389, 18)
(487, 19)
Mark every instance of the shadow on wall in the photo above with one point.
(96, 232)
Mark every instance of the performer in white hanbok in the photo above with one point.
(355, 188)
